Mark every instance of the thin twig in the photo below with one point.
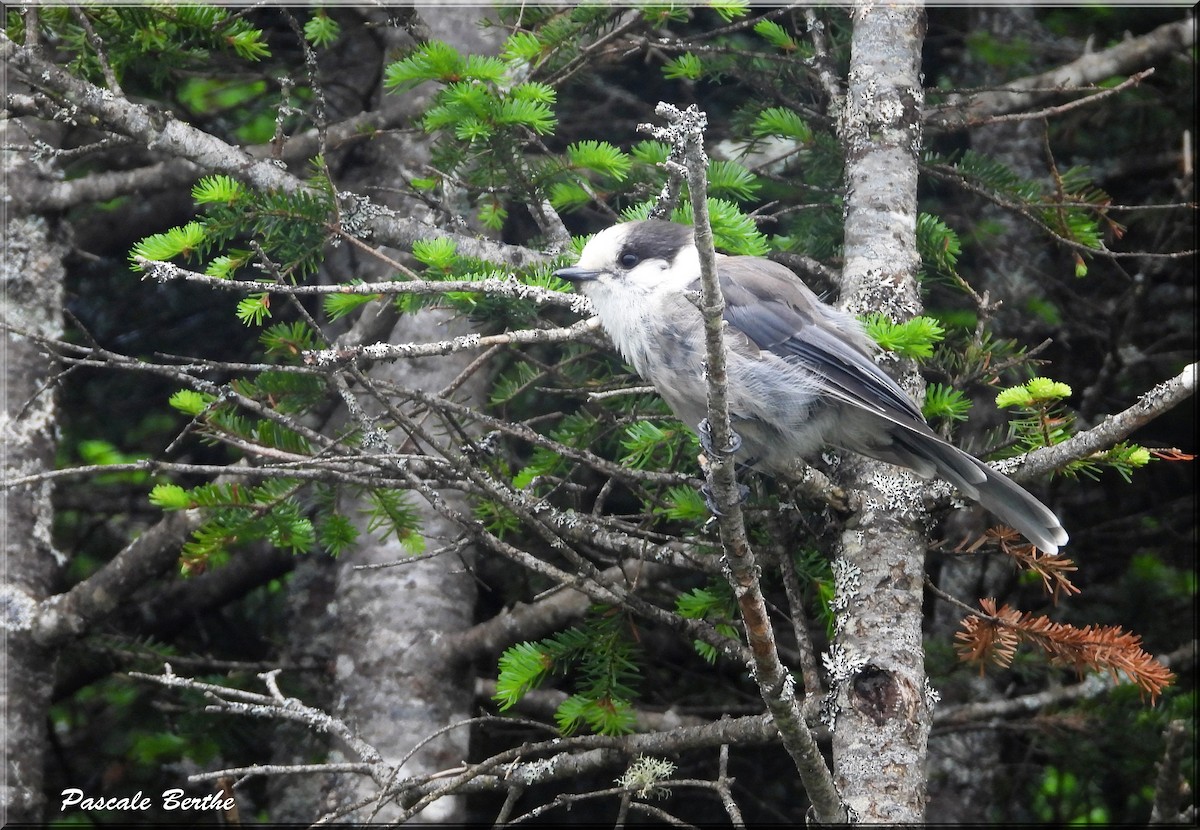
(97, 44)
(1049, 112)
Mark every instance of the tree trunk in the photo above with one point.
(31, 297)
(880, 702)
(382, 625)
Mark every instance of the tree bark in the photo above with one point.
(31, 297)
(880, 703)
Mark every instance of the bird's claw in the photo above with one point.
(710, 499)
(704, 433)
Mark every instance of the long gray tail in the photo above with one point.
(1001, 495)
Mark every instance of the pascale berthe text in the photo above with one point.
(136, 803)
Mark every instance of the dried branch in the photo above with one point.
(994, 637)
(1052, 568)
(1092, 686)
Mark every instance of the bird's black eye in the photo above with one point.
(628, 259)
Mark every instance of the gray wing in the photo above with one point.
(769, 305)
(772, 309)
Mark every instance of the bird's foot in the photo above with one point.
(704, 433)
(710, 499)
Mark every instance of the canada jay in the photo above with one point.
(800, 372)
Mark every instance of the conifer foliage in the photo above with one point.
(243, 410)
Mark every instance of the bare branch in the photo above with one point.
(280, 769)
(1129, 55)
(571, 757)
(548, 613)
(510, 288)
(100, 187)
(724, 788)
(274, 705)
(153, 553)
(1171, 787)
(97, 44)
(583, 331)
(1049, 112)
(1026, 212)
(824, 64)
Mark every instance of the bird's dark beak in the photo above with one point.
(576, 274)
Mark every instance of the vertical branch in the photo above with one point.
(775, 683)
(808, 655)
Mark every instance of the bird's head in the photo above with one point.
(634, 260)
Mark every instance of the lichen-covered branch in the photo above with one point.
(686, 136)
(161, 132)
(1113, 429)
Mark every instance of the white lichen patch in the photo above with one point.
(582, 306)
(894, 491)
(840, 665)
(847, 580)
(358, 212)
(932, 696)
(876, 290)
(537, 771)
(646, 775)
(18, 610)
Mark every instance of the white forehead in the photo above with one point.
(602, 249)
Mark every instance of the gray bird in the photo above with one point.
(801, 375)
